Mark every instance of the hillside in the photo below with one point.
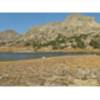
(75, 31)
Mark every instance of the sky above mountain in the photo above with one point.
(21, 22)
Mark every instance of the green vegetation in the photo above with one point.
(76, 41)
(79, 42)
(36, 44)
(95, 44)
(27, 44)
(59, 42)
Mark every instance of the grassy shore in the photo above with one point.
(55, 71)
(31, 49)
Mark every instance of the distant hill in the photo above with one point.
(75, 31)
(7, 35)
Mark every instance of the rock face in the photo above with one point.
(7, 35)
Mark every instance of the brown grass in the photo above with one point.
(30, 49)
(48, 71)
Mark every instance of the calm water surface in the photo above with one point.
(22, 56)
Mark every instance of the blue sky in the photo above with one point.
(21, 22)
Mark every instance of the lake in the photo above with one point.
(31, 55)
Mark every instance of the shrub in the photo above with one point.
(79, 42)
(94, 43)
(36, 44)
(56, 43)
(27, 44)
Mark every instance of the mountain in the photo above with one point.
(7, 35)
(74, 31)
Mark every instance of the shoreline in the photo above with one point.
(30, 49)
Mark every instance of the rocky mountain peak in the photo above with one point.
(80, 20)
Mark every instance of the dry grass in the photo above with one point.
(15, 49)
(30, 49)
(48, 71)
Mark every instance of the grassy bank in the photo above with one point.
(31, 49)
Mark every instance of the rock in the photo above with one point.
(89, 82)
(43, 57)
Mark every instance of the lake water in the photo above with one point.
(22, 56)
